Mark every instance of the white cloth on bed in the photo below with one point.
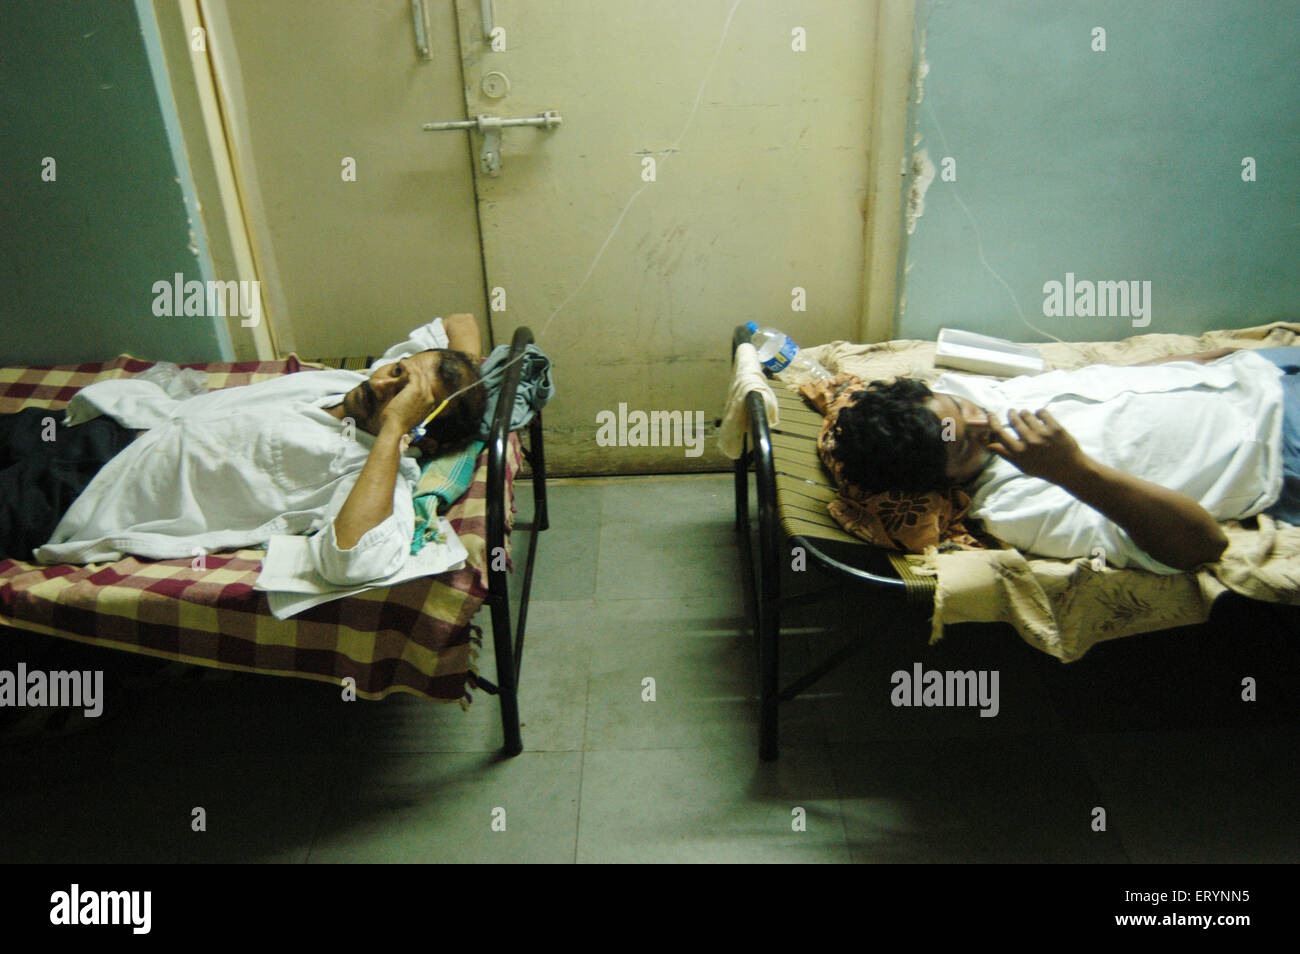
(746, 376)
(1212, 432)
(233, 468)
(425, 338)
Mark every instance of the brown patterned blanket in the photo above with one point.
(1064, 607)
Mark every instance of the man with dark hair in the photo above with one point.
(325, 453)
(452, 371)
(888, 439)
(396, 398)
(1161, 456)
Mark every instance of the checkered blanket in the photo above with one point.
(415, 637)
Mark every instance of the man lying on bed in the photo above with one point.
(1139, 461)
(233, 467)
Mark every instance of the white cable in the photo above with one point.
(979, 244)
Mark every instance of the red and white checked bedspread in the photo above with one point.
(415, 637)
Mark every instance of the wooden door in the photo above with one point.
(368, 225)
(710, 168)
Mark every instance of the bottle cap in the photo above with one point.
(751, 327)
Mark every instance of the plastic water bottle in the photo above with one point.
(780, 354)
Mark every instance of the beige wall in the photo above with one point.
(771, 182)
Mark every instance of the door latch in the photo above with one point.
(490, 127)
(420, 19)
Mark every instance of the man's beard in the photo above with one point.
(363, 405)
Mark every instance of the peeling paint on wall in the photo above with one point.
(922, 175)
(920, 170)
(902, 299)
(922, 69)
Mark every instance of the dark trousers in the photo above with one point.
(39, 479)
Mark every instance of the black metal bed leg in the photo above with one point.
(768, 630)
(537, 459)
(768, 622)
(509, 646)
(742, 489)
(764, 592)
(507, 677)
(769, 667)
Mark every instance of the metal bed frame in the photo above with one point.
(509, 647)
(508, 644)
(850, 562)
(764, 581)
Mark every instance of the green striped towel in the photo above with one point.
(443, 480)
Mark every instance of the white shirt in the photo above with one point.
(1212, 432)
(231, 468)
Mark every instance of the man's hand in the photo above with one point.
(1039, 446)
(414, 402)
(370, 501)
(1171, 527)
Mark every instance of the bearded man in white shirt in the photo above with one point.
(1161, 455)
(323, 453)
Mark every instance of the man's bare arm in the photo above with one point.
(1170, 526)
(370, 502)
(462, 335)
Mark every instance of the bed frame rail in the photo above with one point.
(509, 647)
(763, 581)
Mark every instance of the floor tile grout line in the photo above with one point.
(824, 725)
(316, 829)
(586, 702)
(582, 764)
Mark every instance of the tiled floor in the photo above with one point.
(639, 580)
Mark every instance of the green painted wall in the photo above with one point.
(79, 256)
(1116, 165)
